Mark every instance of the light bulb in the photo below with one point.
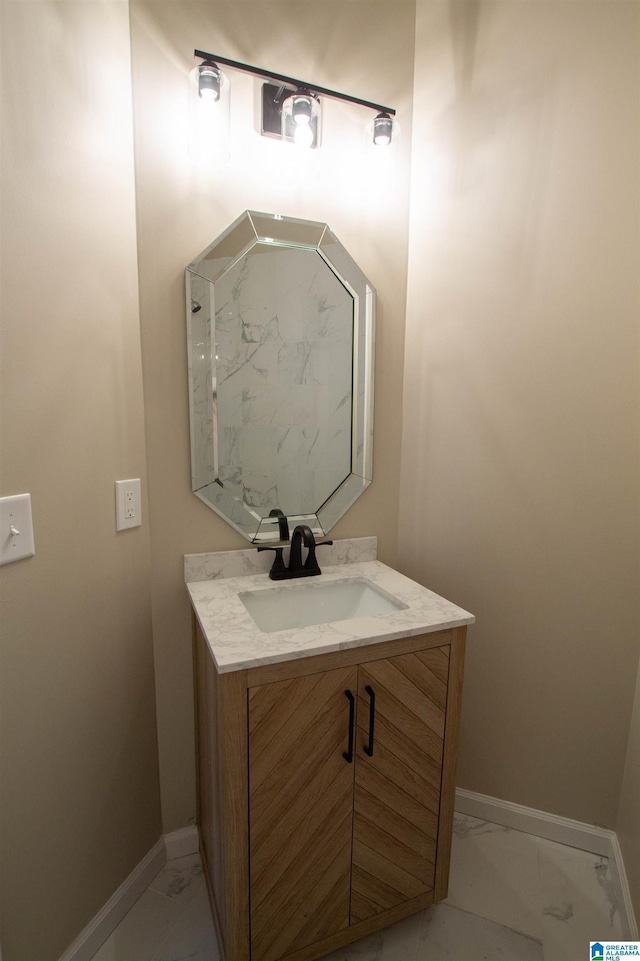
(301, 109)
(209, 82)
(300, 119)
(303, 134)
(382, 130)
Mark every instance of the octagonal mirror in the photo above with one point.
(280, 324)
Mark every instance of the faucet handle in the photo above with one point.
(311, 563)
(278, 570)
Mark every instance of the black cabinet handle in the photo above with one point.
(368, 748)
(348, 754)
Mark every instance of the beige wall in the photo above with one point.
(520, 466)
(80, 803)
(364, 49)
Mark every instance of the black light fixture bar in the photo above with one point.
(292, 82)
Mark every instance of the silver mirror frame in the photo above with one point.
(202, 274)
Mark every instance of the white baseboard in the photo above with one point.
(552, 827)
(576, 834)
(621, 881)
(175, 845)
(180, 843)
(109, 917)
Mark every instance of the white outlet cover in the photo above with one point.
(124, 487)
(15, 512)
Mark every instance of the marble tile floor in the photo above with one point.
(512, 897)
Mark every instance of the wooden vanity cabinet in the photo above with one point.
(325, 791)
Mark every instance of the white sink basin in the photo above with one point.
(304, 605)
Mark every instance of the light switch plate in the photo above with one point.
(16, 528)
(128, 507)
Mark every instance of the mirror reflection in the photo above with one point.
(280, 336)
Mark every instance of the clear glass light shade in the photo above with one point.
(209, 113)
(301, 119)
(383, 134)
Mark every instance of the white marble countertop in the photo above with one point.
(237, 643)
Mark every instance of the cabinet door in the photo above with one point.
(397, 794)
(300, 811)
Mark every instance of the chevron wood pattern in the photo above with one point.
(311, 876)
(300, 811)
(397, 791)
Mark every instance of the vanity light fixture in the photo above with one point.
(290, 108)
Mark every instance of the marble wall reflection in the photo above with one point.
(282, 392)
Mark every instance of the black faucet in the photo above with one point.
(302, 534)
(283, 525)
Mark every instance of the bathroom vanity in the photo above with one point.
(326, 753)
